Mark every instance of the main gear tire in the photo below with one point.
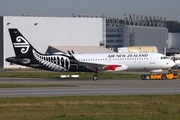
(95, 77)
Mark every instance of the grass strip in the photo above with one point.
(34, 85)
(83, 75)
(140, 107)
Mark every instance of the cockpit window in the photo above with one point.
(164, 57)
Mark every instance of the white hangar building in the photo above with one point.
(47, 34)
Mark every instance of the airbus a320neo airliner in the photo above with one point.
(26, 55)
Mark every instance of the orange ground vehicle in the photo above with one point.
(172, 75)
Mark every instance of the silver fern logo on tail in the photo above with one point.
(53, 62)
(22, 43)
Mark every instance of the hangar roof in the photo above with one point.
(79, 49)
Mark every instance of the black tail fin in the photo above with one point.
(21, 46)
(26, 55)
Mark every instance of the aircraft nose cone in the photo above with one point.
(172, 63)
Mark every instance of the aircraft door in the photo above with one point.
(152, 59)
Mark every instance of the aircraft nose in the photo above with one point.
(171, 63)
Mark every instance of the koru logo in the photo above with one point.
(22, 43)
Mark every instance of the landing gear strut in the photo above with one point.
(95, 76)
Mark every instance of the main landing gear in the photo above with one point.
(95, 76)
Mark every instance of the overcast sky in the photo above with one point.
(111, 8)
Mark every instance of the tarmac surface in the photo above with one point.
(89, 87)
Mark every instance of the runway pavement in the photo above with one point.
(89, 87)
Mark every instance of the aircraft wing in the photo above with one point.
(101, 66)
(93, 66)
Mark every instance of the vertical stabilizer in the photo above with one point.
(20, 44)
(28, 56)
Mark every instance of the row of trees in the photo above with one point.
(173, 26)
